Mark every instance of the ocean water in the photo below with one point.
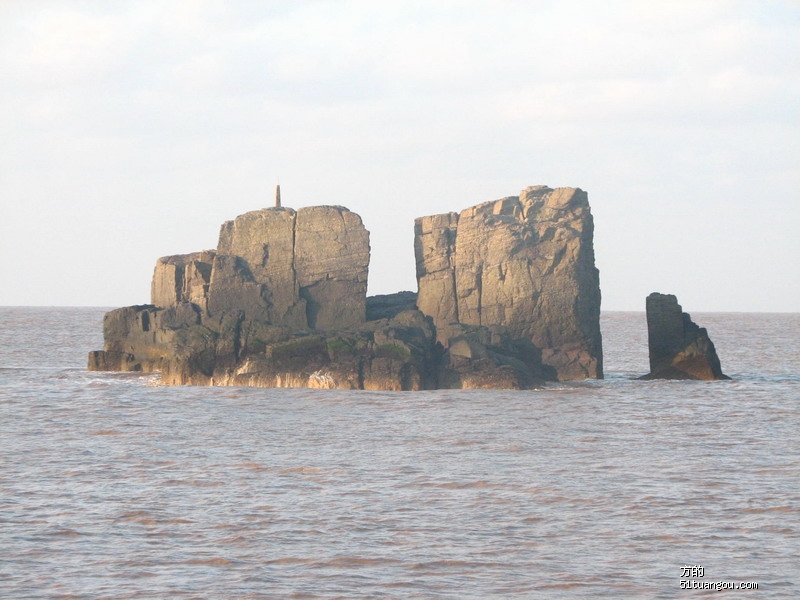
(112, 486)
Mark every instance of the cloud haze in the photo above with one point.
(132, 130)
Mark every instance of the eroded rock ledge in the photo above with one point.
(508, 297)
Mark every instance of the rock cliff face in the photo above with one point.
(305, 268)
(525, 263)
(679, 349)
(182, 278)
(508, 297)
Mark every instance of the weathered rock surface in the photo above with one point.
(508, 297)
(380, 355)
(254, 269)
(525, 263)
(679, 349)
(332, 261)
(182, 278)
(387, 306)
(488, 357)
(305, 268)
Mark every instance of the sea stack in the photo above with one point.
(524, 264)
(508, 298)
(679, 349)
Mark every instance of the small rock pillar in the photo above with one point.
(679, 348)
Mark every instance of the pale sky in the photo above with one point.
(132, 129)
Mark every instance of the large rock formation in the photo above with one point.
(679, 349)
(508, 294)
(305, 268)
(525, 263)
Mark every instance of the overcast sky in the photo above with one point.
(133, 129)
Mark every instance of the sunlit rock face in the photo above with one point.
(525, 263)
(309, 267)
(508, 298)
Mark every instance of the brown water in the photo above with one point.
(112, 487)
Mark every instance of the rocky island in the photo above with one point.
(679, 348)
(508, 298)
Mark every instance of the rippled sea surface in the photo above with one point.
(114, 487)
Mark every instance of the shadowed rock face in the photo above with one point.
(523, 262)
(508, 292)
(679, 349)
